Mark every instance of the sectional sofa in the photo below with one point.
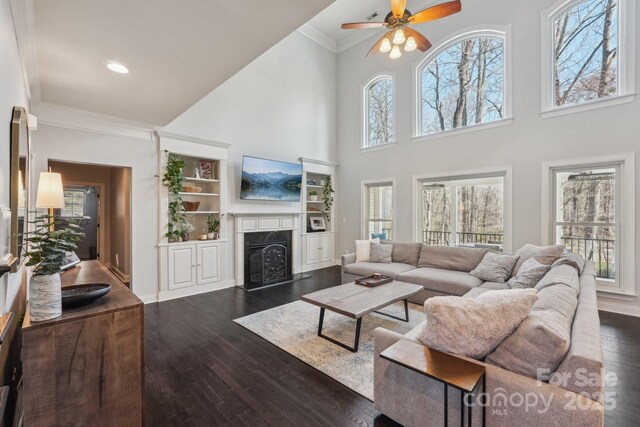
(549, 372)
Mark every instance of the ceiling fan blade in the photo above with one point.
(376, 47)
(421, 41)
(359, 25)
(398, 7)
(436, 12)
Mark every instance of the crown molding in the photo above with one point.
(71, 118)
(358, 37)
(23, 14)
(319, 37)
(189, 138)
(318, 162)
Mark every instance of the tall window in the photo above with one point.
(462, 84)
(74, 203)
(379, 210)
(378, 112)
(585, 212)
(585, 57)
(462, 211)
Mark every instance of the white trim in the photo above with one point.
(365, 183)
(461, 131)
(364, 125)
(378, 147)
(505, 171)
(626, 60)
(499, 31)
(318, 162)
(615, 307)
(23, 14)
(319, 37)
(626, 229)
(71, 118)
(192, 290)
(188, 138)
(588, 106)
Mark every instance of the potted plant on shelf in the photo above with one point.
(327, 198)
(48, 246)
(213, 225)
(313, 196)
(172, 179)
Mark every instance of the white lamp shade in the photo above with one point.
(50, 192)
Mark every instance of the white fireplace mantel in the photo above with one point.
(264, 222)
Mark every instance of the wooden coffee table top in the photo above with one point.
(449, 369)
(356, 300)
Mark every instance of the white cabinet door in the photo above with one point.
(326, 247)
(208, 263)
(182, 266)
(313, 249)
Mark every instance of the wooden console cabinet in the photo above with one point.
(86, 367)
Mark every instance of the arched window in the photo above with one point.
(378, 112)
(585, 58)
(463, 83)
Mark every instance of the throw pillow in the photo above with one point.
(363, 249)
(531, 251)
(574, 260)
(474, 327)
(531, 272)
(380, 253)
(495, 267)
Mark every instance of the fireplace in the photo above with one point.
(267, 258)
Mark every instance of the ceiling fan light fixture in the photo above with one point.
(411, 44)
(395, 52)
(117, 68)
(398, 37)
(385, 46)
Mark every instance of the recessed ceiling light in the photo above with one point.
(117, 68)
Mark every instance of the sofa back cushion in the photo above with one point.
(542, 340)
(532, 251)
(448, 258)
(405, 252)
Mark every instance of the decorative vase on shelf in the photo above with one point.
(313, 198)
(211, 236)
(45, 297)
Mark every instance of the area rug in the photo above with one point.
(293, 327)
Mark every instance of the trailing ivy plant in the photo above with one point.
(327, 198)
(172, 179)
(49, 243)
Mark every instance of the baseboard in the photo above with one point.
(149, 298)
(193, 290)
(124, 278)
(311, 267)
(620, 308)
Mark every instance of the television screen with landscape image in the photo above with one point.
(264, 179)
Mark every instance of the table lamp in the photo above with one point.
(50, 192)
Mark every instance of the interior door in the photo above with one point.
(182, 266)
(208, 263)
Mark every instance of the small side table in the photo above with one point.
(448, 369)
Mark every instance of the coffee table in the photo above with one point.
(356, 301)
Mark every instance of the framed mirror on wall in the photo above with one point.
(19, 184)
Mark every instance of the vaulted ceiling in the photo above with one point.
(176, 51)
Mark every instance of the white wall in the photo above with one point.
(70, 145)
(525, 144)
(12, 93)
(281, 106)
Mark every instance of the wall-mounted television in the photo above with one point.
(264, 179)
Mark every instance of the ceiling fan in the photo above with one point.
(398, 21)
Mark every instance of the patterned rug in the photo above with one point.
(293, 327)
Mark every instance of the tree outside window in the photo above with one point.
(379, 210)
(463, 85)
(379, 112)
(74, 203)
(585, 39)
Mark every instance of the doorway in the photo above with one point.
(98, 199)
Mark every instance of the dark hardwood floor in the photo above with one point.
(202, 369)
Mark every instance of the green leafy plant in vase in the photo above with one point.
(172, 179)
(327, 198)
(48, 246)
(213, 225)
(313, 196)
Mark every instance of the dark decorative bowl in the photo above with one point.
(77, 295)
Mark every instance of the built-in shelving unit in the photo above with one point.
(317, 244)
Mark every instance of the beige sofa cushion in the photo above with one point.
(474, 327)
(532, 251)
(405, 252)
(495, 267)
(391, 269)
(434, 279)
(542, 340)
(456, 259)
